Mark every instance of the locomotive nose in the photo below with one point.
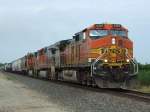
(115, 52)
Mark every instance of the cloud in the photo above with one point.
(28, 25)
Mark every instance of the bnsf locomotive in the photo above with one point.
(101, 55)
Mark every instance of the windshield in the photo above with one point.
(119, 33)
(95, 34)
(98, 33)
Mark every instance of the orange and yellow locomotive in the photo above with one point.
(101, 55)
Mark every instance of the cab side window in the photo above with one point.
(80, 36)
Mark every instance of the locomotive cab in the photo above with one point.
(111, 55)
(101, 55)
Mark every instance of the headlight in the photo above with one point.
(128, 60)
(105, 60)
(89, 60)
(113, 41)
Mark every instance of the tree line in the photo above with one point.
(144, 66)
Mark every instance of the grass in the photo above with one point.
(145, 89)
(144, 77)
(10, 77)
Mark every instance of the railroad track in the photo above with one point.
(135, 95)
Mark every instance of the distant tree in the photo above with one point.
(1, 64)
(144, 66)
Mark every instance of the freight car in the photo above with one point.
(7, 67)
(16, 66)
(101, 55)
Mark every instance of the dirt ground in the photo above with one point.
(24, 94)
(15, 97)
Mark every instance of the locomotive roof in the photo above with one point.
(57, 44)
(104, 26)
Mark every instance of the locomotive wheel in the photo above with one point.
(56, 75)
(89, 81)
(83, 82)
(30, 73)
(48, 75)
(37, 74)
(83, 78)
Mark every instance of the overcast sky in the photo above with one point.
(28, 25)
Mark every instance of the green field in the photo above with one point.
(144, 78)
(144, 74)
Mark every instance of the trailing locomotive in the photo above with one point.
(101, 55)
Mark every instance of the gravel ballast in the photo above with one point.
(25, 94)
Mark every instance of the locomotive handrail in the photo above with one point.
(134, 62)
(96, 60)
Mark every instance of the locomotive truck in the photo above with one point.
(100, 55)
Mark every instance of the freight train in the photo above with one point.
(100, 55)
